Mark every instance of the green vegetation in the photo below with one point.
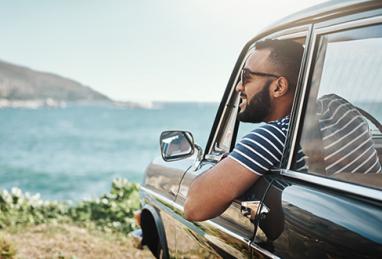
(112, 212)
(23, 217)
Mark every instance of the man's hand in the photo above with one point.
(211, 193)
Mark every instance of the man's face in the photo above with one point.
(254, 91)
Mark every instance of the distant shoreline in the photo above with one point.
(52, 103)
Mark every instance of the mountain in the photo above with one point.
(18, 83)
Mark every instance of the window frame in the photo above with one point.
(226, 115)
(318, 31)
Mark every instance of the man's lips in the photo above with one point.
(243, 102)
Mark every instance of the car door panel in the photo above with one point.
(318, 222)
(227, 235)
(206, 238)
(159, 189)
(164, 177)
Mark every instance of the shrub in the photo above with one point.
(112, 212)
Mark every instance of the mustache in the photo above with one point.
(243, 96)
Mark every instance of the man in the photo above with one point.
(267, 88)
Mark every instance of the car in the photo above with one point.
(311, 212)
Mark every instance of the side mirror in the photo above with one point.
(175, 145)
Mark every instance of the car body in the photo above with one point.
(289, 213)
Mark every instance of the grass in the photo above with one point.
(33, 228)
(66, 241)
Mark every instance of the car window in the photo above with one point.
(225, 138)
(226, 134)
(341, 135)
(245, 128)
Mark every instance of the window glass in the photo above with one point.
(225, 139)
(341, 135)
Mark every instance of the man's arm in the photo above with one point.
(211, 193)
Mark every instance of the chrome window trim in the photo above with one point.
(214, 140)
(301, 101)
(348, 25)
(322, 11)
(294, 35)
(335, 184)
(295, 32)
(262, 250)
(226, 231)
(316, 33)
(162, 198)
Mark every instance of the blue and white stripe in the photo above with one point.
(347, 143)
(261, 150)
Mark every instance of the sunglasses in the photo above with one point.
(246, 75)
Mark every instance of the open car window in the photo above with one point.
(245, 128)
(230, 130)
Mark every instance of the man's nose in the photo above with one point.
(239, 87)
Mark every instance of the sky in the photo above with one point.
(146, 50)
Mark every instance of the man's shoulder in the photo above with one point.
(269, 134)
(278, 127)
(261, 149)
(282, 123)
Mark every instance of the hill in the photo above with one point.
(18, 83)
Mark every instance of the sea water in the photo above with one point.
(74, 153)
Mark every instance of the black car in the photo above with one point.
(312, 212)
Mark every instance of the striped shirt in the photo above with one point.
(261, 150)
(347, 143)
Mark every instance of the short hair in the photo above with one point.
(286, 55)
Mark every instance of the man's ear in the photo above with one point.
(281, 87)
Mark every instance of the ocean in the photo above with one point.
(74, 153)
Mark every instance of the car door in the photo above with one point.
(332, 206)
(231, 234)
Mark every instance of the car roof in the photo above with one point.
(322, 11)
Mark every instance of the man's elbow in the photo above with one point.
(193, 212)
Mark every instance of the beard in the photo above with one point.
(258, 107)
